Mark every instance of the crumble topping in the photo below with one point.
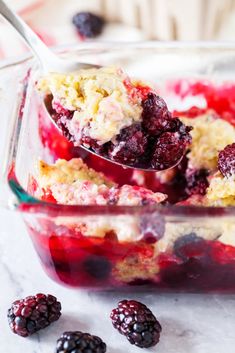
(69, 172)
(99, 99)
(136, 267)
(210, 135)
(221, 191)
(73, 183)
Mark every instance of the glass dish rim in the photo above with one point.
(205, 45)
(29, 204)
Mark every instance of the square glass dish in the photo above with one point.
(164, 247)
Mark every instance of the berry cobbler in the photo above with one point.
(117, 117)
(117, 231)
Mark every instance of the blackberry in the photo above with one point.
(168, 151)
(131, 144)
(168, 137)
(79, 342)
(97, 267)
(171, 146)
(155, 115)
(197, 182)
(226, 161)
(135, 321)
(88, 24)
(189, 246)
(29, 315)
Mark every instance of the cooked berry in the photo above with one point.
(168, 150)
(189, 245)
(97, 267)
(29, 315)
(88, 24)
(197, 182)
(158, 141)
(135, 321)
(170, 137)
(152, 227)
(176, 125)
(91, 143)
(155, 115)
(60, 119)
(130, 145)
(226, 161)
(79, 342)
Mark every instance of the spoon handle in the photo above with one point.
(46, 57)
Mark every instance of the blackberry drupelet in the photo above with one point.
(76, 341)
(135, 321)
(29, 315)
(88, 24)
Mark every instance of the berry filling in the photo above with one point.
(145, 248)
(197, 182)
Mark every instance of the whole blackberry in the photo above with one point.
(135, 321)
(168, 151)
(29, 315)
(226, 161)
(79, 342)
(88, 24)
(155, 115)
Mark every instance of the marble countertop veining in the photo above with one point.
(191, 323)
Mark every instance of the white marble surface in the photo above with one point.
(191, 323)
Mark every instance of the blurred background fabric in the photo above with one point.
(128, 20)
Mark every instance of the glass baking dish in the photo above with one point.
(204, 262)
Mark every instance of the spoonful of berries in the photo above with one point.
(104, 111)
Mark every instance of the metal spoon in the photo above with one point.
(48, 60)
(51, 62)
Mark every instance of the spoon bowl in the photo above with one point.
(139, 166)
